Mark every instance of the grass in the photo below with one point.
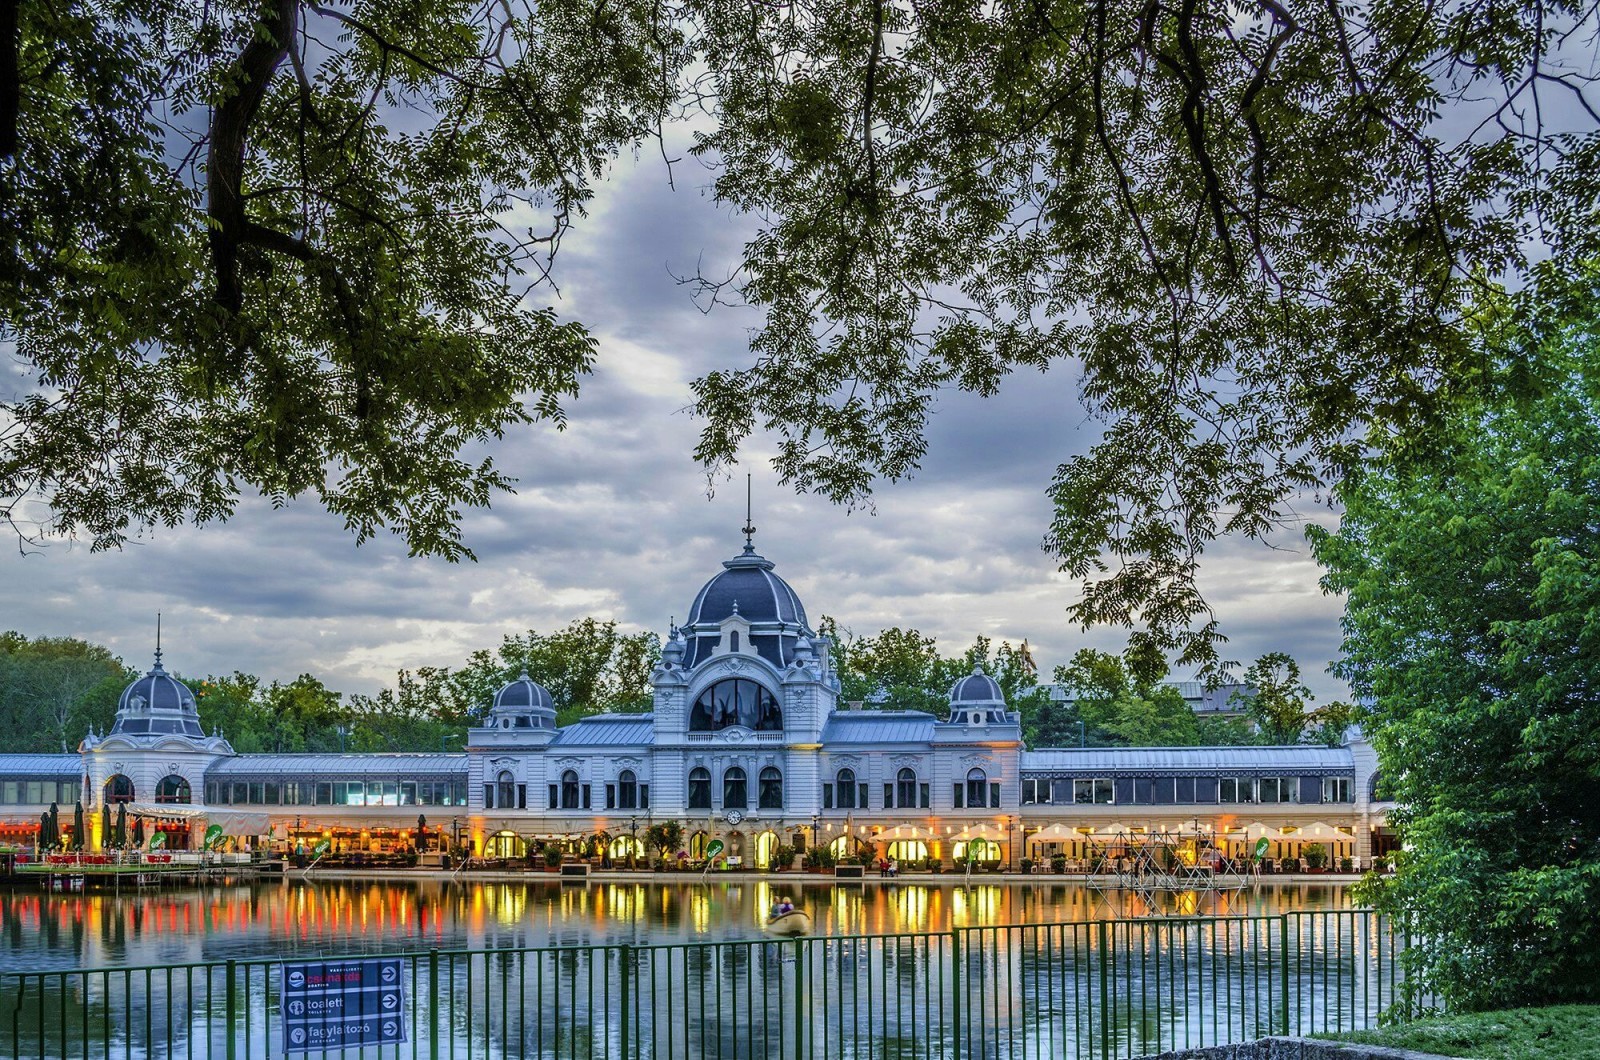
(1571, 1032)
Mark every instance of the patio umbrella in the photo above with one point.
(138, 831)
(45, 842)
(107, 839)
(77, 825)
(55, 825)
(122, 824)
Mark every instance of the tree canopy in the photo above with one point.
(293, 247)
(1472, 592)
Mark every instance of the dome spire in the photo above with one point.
(749, 530)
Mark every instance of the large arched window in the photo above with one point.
(118, 788)
(905, 787)
(699, 788)
(569, 790)
(845, 789)
(736, 702)
(977, 788)
(505, 795)
(172, 788)
(733, 789)
(770, 795)
(627, 790)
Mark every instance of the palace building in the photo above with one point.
(748, 742)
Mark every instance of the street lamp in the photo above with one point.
(814, 819)
(633, 845)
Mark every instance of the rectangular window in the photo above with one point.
(861, 794)
(994, 793)
(1227, 790)
(960, 792)
(1096, 790)
(241, 793)
(488, 796)
(69, 791)
(827, 796)
(273, 793)
(644, 796)
(611, 796)
(258, 792)
(1144, 790)
(1335, 789)
(1164, 791)
(522, 796)
(1269, 790)
(1028, 791)
(324, 793)
(1184, 789)
(1061, 792)
(586, 789)
(1247, 789)
(888, 796)
(408, 793)
(555, 795)
(924, 794)
(211, 793)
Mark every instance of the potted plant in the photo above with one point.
(552, 856)
(1058, 864)
(782, 858)
(1347, 865)
(1316, 856)
(1027, 866)
(935, 865)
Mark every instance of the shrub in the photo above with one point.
(1316, 855)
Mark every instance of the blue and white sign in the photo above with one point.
(343, 1004)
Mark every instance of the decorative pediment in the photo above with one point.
(735, 734)
(977, 760)
(907, 760)
(503, 760)
(569, 762)
(845, 760)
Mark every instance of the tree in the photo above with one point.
(665, 838)
(55, 688)
(1276, 699)
(284, 246)
(1471, 591)
(1118, 709)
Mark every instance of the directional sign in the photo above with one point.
(343, 1004)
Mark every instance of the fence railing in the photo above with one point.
(1096, 991)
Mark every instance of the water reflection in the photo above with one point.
(42, 930)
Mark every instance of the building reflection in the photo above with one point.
(55, 931)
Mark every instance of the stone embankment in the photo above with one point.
(1295, 1049)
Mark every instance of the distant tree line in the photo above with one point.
(55, 689)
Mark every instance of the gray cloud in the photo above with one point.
(611, 517)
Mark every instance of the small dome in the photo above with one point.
(157, 690)
(524, 694)
(976, 688)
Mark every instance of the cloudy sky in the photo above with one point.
(611, 517)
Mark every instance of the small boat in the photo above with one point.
(791, 924)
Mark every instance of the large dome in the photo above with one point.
(747, 587)
(157, 704)
(977, 688)
(524, 694)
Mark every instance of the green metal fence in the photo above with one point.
(1096, 991)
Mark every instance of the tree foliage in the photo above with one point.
(1472, 590)
(54, 689)
(286, 246)
(589, 666)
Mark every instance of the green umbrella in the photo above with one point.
(45, 842)
(77, 826)
(107, 839)
(138, 831)
(55, 825)
(121, 832)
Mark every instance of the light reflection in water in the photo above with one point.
(40, 930)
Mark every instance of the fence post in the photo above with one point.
(802, 999)
(433, 1003)
(1283, 972)
(1102, 930)
(231, 997)
(626, 957)
(955, 993)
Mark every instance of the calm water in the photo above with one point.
(40, 931)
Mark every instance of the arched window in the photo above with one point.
(569, 790)
(118, 789)
(845, 789)
(770, 795)
(505, 845)
(736, 702)
(627, 790)
(172, 788)
(977, 788)
(733, 789)
(699, 788)
(505, 795)
(905, 787)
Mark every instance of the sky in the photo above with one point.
(612, 517)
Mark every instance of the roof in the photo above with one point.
(746, 587)
(1294, 759)
(41, 765)
(524, 694)
(348, 765)
(976, 687)
(156, 690)
(877, 727)
(607, 730)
